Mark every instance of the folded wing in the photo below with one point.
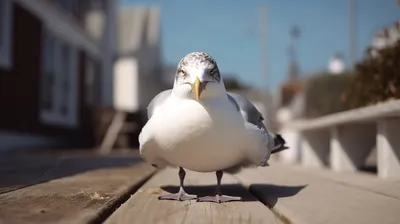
(147, 147)
(269, 142)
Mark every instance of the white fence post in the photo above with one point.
(292, 138)
(343, 140)
(315, 148)
(350, 145)
(388, 146)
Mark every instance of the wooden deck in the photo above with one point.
(123, 189)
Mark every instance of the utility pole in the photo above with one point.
(263, 46)
(352, 12)
(293, 69)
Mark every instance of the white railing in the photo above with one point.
(342, 141)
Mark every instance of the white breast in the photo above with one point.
(201, 137)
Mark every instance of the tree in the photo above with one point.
(375, 79)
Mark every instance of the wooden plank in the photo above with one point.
(304, 198)
(144, 206)
(82, 198)
(22, 170)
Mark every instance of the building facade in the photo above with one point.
(138, 70)
(54, 69)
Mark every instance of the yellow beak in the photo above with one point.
(197, 88)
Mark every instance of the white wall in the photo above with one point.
(138, 71)
(126, 84)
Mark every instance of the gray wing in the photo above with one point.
(157, 100)
(247, 109)
(252, 115)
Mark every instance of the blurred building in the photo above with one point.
(54, 68)
(138, 71)
(289, 103)
(68, 66)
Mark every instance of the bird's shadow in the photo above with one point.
(268, 194)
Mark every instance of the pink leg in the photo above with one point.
(181, 195)
(219, 198)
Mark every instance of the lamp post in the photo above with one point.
(263, 46)
(293, 67)
(352, 10)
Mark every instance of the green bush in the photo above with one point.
(323, 94)
(375, 80)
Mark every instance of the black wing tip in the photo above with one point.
(280, 144)
(279, 149)
(280, 139)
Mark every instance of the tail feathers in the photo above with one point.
(279, 144)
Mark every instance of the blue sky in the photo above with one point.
(228, 30)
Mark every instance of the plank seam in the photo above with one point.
(107, 211)
(278, 214)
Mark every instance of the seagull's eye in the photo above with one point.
(215, 74)
(182, 73)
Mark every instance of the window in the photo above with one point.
(65, 72)
(58, 104)
(48, 73)
(5, 33)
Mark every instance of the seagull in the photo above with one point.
(198, 125)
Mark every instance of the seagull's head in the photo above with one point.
(198, 77)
